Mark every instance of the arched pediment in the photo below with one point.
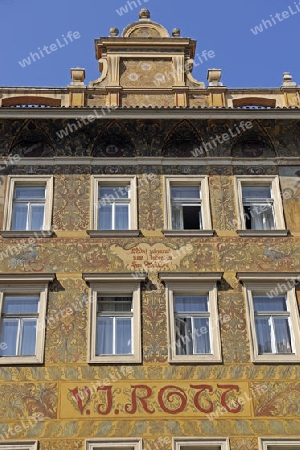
(254, 143)
(32, 141)
(182, 141)
(113, 142)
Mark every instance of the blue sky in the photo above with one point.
(224, 27)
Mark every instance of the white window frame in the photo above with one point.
(263, 283)
(260, 180)
(26, 285)
(279, 443)
(115, 284)
(28, 180)
(109, 180)
(185, 180)
(19, 445)
(117, 444)
(198, 443)
(193, 284)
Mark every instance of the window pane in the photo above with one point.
(28, 337)
(20, 305)
(282, 335)
(112, 304)
(113, 192)
(37, 217)
(191, 192)
(191, 303)
(122, 217)
(259, 216)
(263, 331)
(9, 333)
(19, 216)
(105, 217)
(29, 192)
(262, 303)
(191, 218)
(183, 336)
(256, 191)
(201, 335)
(123, 337)
(104, 336)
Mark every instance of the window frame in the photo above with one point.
(110, 180)
(114, 285)
(198, 443)
(260, 180)
(19, 445)
(124, 443)
(28, 180)
(279, 443)
(186, 180)
(206, 283)
(26, 285)
(262, 283)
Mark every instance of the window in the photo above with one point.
(28, 207)
(273, 317)
(259, 206)
(198, 444)
(187, 206)
(23, 310)
(113, 208)
(19, 445)
(114, 444)
(193, 324)
(115, 317)
(279, 444)
(114, 326)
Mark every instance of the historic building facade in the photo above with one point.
(149, 256)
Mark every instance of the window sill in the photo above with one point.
(276, 359)
(113, 233)
(26, 234)
(188, 233)
(262, 233)
(195, 359)
(15, 360)
(116, 359)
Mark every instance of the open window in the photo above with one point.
(187, 211)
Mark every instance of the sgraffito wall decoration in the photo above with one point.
(154, 400)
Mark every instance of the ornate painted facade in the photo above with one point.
(146, 118)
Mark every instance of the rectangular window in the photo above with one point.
(279, 444)
(114, 326)
(22, 318)
(20, 445)
(260, 209)
(114, 206)
(28, 211)
(115, 318)
(187, 209)
(193, 323)
(28, 207)
(191, 317)
(272, 324)
(201, 444)
(19, 325)
(273, 316)
(114, 444)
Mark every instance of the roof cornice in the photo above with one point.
(149, 113)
